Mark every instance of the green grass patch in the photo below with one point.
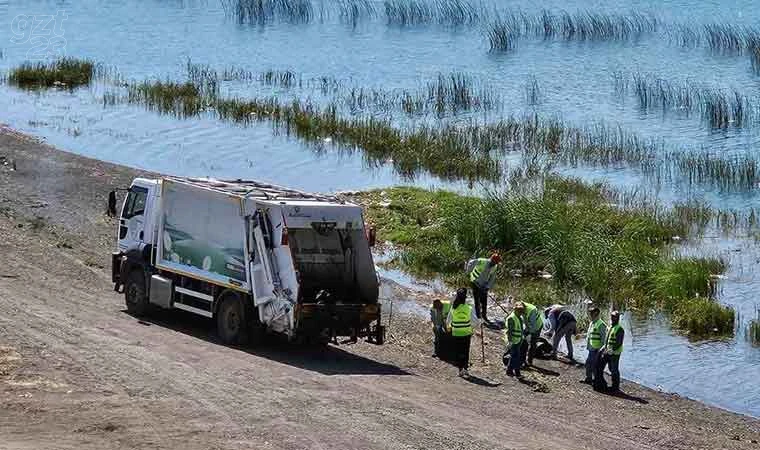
(565, 229)
(702, 316)
(65, 72)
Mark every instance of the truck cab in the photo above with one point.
(252, 256)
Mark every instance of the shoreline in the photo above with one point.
(64, 194)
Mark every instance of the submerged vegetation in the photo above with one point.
(563, 229)
(65, 72)
(720, 109)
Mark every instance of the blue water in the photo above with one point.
(155, 39)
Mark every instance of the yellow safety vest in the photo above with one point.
(461, 325)
(538, 321)
(517, 330)
(594, 335)
(612, 339)
(480, 265)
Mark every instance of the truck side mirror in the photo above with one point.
(111, 209)
(372, 236)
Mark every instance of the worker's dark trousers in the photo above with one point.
(529, 347)
(592, 361)
(462, 351)
(613, 361)
(567, 331)
(437, 340)
(515, 357)
(480, 295)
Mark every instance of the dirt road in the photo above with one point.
(77, 372)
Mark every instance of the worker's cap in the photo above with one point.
(615, 314)
(519, 306)
(495, 258)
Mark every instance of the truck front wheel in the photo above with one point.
(134, 293)
(232, 320)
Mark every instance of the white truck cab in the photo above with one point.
(252, 256)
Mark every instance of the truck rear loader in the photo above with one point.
(252, 256)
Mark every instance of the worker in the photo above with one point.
(439, 311)
(595, 337)
(611, 354)
(482, 273)
(461, 321)
(562, 324)
(534, 322)
(513, 337)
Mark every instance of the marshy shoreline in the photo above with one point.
(55, 233)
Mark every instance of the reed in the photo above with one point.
(533, 92)
(406, 13)
(503, 35)
(178, 99)
(718, 108)
(260, 12)
(753, 331)
(564, 228)
(702, 316)
(353, 12)
(65, 73)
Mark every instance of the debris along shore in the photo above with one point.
(77, 372)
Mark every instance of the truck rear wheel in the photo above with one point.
(232, 319)
(134, 293)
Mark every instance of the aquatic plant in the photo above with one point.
(753, 330)
(65, 72)
(702, 316)
(354, 11)
(719, 108)
(502, 35)
(259, 12)
(179, 99)
(281, 78)
(564, 228)
(532, 91)
(422, 12)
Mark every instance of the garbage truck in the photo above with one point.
(254, 257)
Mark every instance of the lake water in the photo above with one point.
(155, 39)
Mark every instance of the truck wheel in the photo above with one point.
(134, 293)
(232, 319)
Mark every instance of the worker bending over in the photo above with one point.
(482, 273)
(513, 337)
(597, 332)
(439, 311)
(533, 325)
(562, 324)
(611, 354)
(461, 321)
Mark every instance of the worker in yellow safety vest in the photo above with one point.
(513, 337)
(461, 321)
(534, 322)
(595, 338)
(482, 273)
(439, 311)
(611, 354)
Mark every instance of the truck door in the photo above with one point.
(132, 221)
(261, 266)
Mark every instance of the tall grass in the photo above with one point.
(65, 72)
(702, 316)
(563, 227)
(355, 11)
(259, 12)
(504, 30)
(422, 12)
(753, 330)
(719, 108)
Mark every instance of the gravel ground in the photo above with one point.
(77, 372)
